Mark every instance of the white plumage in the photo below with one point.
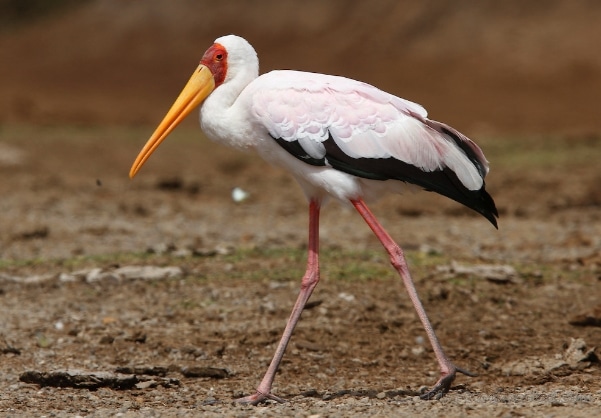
(364, 121)
(338, 137)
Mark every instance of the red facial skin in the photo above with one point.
(215, 59)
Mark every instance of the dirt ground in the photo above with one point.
(163, 296)
(359, 351)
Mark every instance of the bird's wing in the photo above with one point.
(359, 129)
(304, 110)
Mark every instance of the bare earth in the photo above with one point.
(164, 297)
(358, 350)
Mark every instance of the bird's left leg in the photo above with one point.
(308, 284)
(447, 369)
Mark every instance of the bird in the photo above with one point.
(341, 139)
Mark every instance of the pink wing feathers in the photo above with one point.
(364, 122)
(359, 129)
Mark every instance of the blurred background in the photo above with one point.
(486, 67)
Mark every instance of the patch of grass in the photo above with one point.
(335, 264)
(547, 152)
(254, 264)
(288, 265)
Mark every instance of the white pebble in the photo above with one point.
(346, 296)
(239, 195)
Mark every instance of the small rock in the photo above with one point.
(496, 273)
(93, 275)
(308, 345)
(146, 384)
(148, 272)
(36, 279)
(239, 195)
(161, 248)
(591, 318)
(7, 348)
(210, 372)
(67, 278)
(575, 357)
(224, 249)
(136, 337)
(79, 379)
(182, 253)
(107, 339)
(204, 252)
(417, 351)
(143, 370)
(346, 296)
(576, 354)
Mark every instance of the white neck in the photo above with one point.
(222, 114)
(218, 114)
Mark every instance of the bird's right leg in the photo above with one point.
(308, 284)
(447, 369)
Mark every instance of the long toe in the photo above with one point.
(444, 383)
(259, 397)
(440, 388)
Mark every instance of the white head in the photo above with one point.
(239, 58)
(230, 61)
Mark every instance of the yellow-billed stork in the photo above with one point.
(338, 137)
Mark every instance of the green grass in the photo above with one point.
(256, 263)
(288, 265)
(541, 152)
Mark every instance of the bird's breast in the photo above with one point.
(230, 127)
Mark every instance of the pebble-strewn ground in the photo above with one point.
(164, 297)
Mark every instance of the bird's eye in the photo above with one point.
(218, 57)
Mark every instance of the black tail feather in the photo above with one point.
(443, 181)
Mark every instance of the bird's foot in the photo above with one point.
(259, 397)
(444, 383)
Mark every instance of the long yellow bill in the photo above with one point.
(200, 85)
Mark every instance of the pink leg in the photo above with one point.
(447, 369)
(308, 283)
